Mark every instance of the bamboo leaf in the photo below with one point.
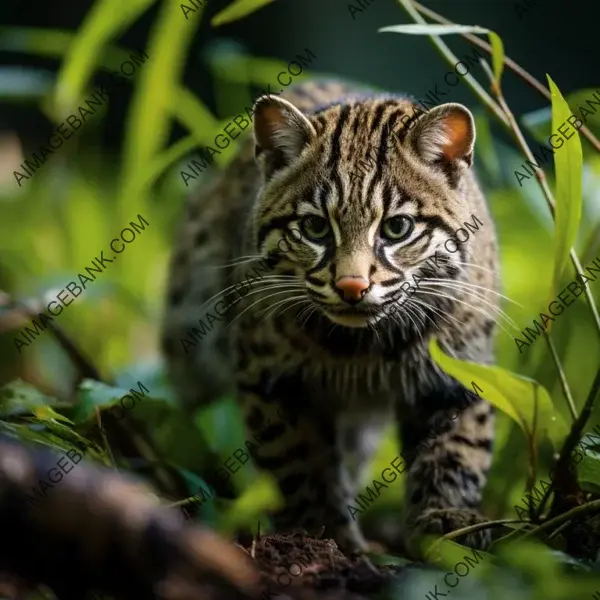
(238, 9)
(588, 469)
(418, 29)
(106, 20)
(183, 105)
(568, 167)
(149, 122)
(522, 399)
(497, 55)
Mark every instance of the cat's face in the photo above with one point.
(363, 211)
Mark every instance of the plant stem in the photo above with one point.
(516, 131)
(577, 428)
(541, 177)
(561, 376)
(452, 59)
(479, 526)
(511, 64)
(505, 116)
(578, 511)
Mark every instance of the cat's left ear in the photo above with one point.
(280, 132)
(446, 133)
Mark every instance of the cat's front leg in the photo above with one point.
(299, 447)
(448, 450)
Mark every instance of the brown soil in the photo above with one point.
(304, 568)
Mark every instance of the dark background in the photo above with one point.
(551, 37)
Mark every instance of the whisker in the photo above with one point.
(267, 278)
(303, 298)
(477, 267)
(372, 326)
(259, 300)
(305, 310)
(332, 329)
(418, 312)
(300, 302)
(478, 309)
(409, 316)
(442, 314)
(240, 260)
(475, 295)
(308, 316)
(472, 285)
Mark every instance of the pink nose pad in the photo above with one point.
(352, 288)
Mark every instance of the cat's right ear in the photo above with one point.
(280, 133)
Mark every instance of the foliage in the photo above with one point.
(73, 208)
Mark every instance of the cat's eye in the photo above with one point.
(315, 227)
(397, 228)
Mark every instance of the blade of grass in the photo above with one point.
(238, 9)
(149, 116)
(568, 165)
(106, 20)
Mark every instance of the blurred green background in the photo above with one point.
(126, 161)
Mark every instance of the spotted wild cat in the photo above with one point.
(314, 333)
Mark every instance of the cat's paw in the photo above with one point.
(439, 521)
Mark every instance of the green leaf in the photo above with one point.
(417, 29)
(263, 495)
(174, 435)
(237, 10)
(588, 468)
(497, 55)
(568, 166)
(106, 20)
(92, 394)
(18, 397)
(183, 105)
(388, 559)
(157, 85)
(447, 553)
(522, 399)
(167, 158)
(47, 413)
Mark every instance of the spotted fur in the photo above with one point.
(342, 370)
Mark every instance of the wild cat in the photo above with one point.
(341, 205)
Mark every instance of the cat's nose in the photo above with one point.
(352, 288)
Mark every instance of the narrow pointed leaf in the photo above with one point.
(418, 29)
(522, 399)
(497, 55)
(568, 167)
(238, 9)
(107, 20)
(155, 90)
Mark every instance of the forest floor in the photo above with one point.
(304, 568)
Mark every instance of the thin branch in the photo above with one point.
(184, 502)
(479, 526)
(562, 377)
(452, 59)
(85, 367)
(577, 428)
(87, 370)
(541, 177)
(560, 529)
(511, 64)
(551, 204)
(574, 513)
(103, 434)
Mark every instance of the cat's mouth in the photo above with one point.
(350, 317)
